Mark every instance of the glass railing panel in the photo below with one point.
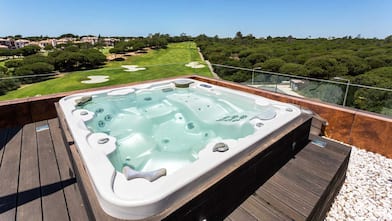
(338, 91)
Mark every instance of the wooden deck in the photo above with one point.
(37, 181)
(303, 189)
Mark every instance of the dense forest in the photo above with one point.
(362, 61)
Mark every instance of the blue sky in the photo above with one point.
(299, 18)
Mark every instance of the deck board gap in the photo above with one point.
(58, 167)
(19, 165)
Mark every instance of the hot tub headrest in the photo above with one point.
(83, 100)
(148, 175)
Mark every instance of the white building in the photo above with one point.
(20, 43)
(110, 41)
(47, 42)
(6, 42)
(92, 40)
(63, 41)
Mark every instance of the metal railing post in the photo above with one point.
(253, 74)
(345, 95)
(347, 85)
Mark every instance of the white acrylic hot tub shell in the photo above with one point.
(139, 198)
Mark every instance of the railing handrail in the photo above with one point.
(301, 77)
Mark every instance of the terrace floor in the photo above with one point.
(37, 180)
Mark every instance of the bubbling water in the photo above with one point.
(162, 128)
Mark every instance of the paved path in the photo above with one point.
(208, 64)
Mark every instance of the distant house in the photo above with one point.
(89, 39)
(20, 43)
(6, 43)
(64, 40)
(110, 41)
(44, 43)
(33, 43)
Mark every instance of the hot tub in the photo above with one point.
(146, 146)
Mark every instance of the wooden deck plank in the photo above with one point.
(53, 202)
(29, 190)
(3, 138)
(75, 205)
(241, 214)
(261, 210)
(319, 161)
(327, 158)
(305, 187)
(331, 191)
(277, 198)
(286, 194)
(9, 173)
(295, 190)
(336, 147)
(296, 174)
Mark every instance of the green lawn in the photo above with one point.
(105, 50)
(161, 63)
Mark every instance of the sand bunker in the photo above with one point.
(133, 68)
(195, 64)
(96, 79)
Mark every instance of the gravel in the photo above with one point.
(367, 191)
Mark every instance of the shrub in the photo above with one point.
(325, 67)
(292, 68)
(8, 85)
(34, 69)
(13, 63)
(272, 64)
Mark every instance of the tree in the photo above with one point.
(48, 47)
(375, 62)
(93, 58)
(325, 67)
(355, 65)
(7, 84)
(381, 60)
(67, 61)
(13, 63)
(68, 35)
(380, 77)
(272, 64)
(8, 52)
(3, 70)
(371, 99)
(34, 69)
(238, 35)
(35, 58)
(29, 50)
(256, 58)
(294, 69)
(73, 58)
(388, 39)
